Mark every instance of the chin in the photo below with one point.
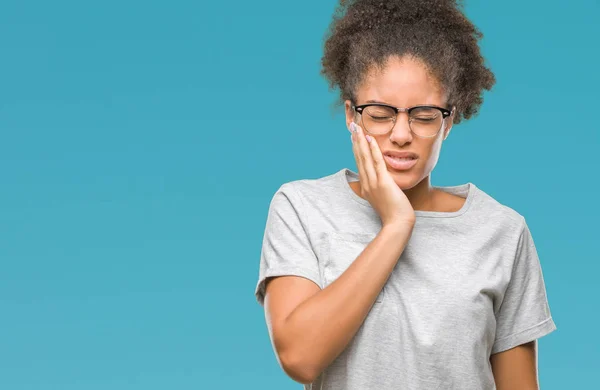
(405, 179)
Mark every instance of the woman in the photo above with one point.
(378, 279)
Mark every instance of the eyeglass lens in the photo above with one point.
(425, 122)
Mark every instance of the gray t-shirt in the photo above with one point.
(468, 284)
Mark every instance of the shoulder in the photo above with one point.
(493, 211)
(301, 190)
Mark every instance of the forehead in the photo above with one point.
(402, 82)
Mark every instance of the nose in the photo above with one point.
(401, 132)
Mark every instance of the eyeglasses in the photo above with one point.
(379, 118)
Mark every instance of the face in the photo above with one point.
(404, 82)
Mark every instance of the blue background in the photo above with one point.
(137, 170)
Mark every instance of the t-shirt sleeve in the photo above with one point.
(286, 247)
(524, 314)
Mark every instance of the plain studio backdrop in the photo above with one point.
(140, 145)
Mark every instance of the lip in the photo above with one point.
(399, 154)
(390, 159)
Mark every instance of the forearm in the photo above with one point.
(319, 329)
(516, 369)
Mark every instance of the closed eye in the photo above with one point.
(380, 118)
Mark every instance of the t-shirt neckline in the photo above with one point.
(467, 190)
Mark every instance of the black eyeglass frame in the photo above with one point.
(360, 108)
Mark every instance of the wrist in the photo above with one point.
(399, 226)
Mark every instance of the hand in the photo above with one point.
(376, 183)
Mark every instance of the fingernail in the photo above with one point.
(352, 127)
(368, 138)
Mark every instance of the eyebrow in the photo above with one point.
(377, 101)
(389, 104)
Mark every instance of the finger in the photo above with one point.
(365, 155)
(377, 156)
(351, 127)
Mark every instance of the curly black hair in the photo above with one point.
(365, 33)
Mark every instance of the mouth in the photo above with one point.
(401, 163)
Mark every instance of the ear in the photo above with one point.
(449, 122)
(349, 113)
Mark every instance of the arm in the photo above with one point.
(310, 326)
(516, 369)
(523, 317)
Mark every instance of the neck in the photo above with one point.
(421, 196)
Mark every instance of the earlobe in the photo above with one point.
(450, 123)
(447, 131)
